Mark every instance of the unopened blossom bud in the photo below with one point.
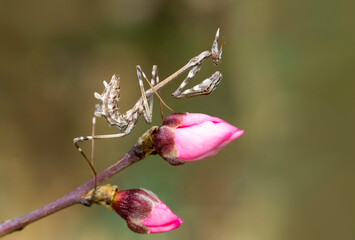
(144, 212)
(187, 137)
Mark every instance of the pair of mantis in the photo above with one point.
(110, 97)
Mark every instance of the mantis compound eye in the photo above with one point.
(216, 53)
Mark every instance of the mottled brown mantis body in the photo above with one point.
(110, 97)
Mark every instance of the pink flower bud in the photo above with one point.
(185, 137)
(144, 211)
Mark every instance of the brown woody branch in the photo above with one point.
(142, 149)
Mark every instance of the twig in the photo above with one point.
(142, 149)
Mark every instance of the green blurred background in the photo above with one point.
(288, 81)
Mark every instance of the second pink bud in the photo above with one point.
(144, 212)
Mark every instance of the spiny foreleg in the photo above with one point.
(206, 87)
(146, 108)
(209, 84)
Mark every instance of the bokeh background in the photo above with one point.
(288, 81)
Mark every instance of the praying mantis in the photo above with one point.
(125, 122)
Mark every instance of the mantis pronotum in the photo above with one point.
(110, 97)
